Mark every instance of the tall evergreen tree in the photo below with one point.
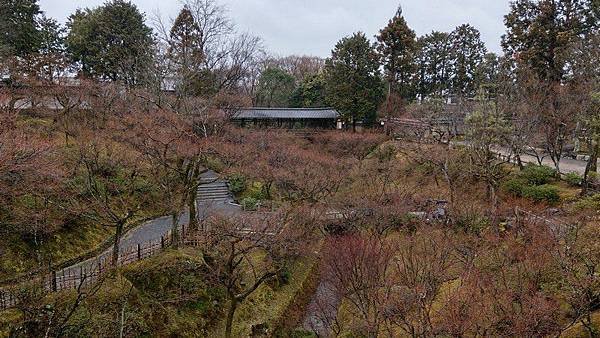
(353, 79)
(111, 42)
(51, 36)
(18, 27)
(310, 93)
(434, 64)
(488, 72)
(540, 31)
(468, 52)
(51, 58)
(186, 51)
(398, 46)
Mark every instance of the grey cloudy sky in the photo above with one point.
(312, 27)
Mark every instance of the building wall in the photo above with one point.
(287, 123)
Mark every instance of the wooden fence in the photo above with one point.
(89, 272)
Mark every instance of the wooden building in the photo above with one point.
(288, 118)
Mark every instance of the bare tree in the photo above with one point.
(228, 57)
(57, 317)
(243, 252)
(580, 281)
(359, 268)
(168, 142)
(111, 185)
(299, 66)
(421, 265)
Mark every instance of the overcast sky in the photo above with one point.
(312, 27)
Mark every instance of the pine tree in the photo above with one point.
(398, 47)
(353, 79)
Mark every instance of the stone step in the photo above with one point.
(212, 182)
(214, 198)
(209, 179)
(213, 189)
(213, 194)
(213, 186)
(219, 191)
(209, 191)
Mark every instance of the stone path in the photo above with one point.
(567, 165)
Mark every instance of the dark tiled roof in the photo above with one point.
(286, 113)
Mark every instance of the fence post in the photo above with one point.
(54, 281)
(162, 242)
(139, 251)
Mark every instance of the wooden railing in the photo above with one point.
(89, 272)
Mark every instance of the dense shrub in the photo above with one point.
(250, 204)
(538, 175)
(515, 186)
(472, 223)
(214, 164)
(385, 153)
(542, 193)
(257, 191)
(589, 203)
(573, 179)
(237, 183)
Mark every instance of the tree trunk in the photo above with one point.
(494, 200)
(193, 211)
(592, 166)
(594, 157)
(266, 189)
(175, 230)
(519, 162)
(556, 160)
(233, 303)
(589, 326)
(117, 244)
(122, 321)
(450, 186)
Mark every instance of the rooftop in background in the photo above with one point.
(286, 113)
